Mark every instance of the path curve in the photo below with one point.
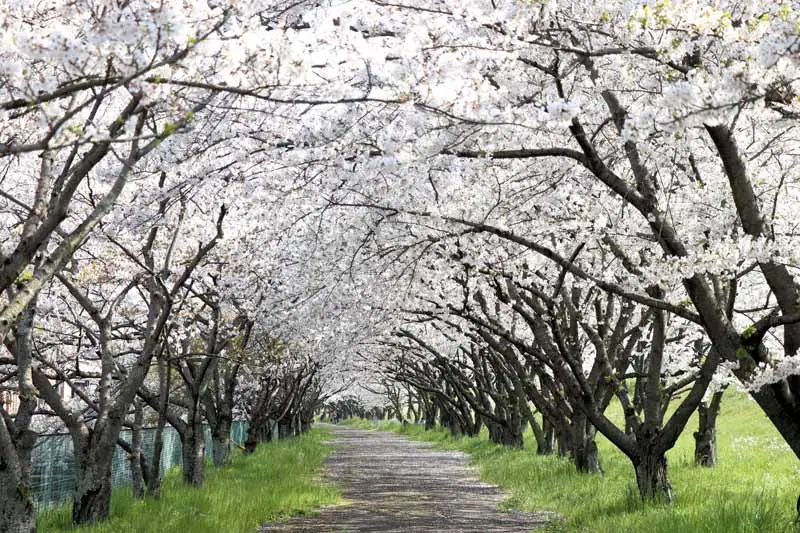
(392, 484)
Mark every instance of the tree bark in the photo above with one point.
(507, 435)
(585, 454)
(17, 440)
(164, 379)
(221, 443)
(284, 429)
(705, 438)
(548, 445)
(91, 501)
(136, 457)
(16, 504)
(193, 448)
(450, 421)
(652, 477)
(508, 432)
(563, 441)
(538, 433)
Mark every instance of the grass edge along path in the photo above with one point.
(752, 490)
(281, 479)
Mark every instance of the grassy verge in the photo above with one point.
(753, 489)
(279, 480)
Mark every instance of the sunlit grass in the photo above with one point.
(281, 479)
(753, 489)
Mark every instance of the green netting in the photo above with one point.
(53, 465)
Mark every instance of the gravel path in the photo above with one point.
(393, 484)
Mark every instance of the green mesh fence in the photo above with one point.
(53, 464)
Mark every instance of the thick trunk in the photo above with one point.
(475, 428)
(652, 478)
(705, 438)
(284, 429)
(506, 434)
(221, 443)
(511, 437)
(193, 447)
(17, 440)
(260, 430)
(16, 500)
(705, 447)
(250, 444)
(584, 452)
(450, 421)
(548, 444)
(586, 456)
(538, 433)
(138, 484)
(91, 500)
(563, 441)
(16, 505)
(92, 497)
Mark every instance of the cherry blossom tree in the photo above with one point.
(512, 211)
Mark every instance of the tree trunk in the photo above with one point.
(430, 417)
(705, 438)
(475, 428)
(259, 430)
(510, 436)
(284, 429)
(154, 474)
(193, 447)
(507, 434)
(154, 478)
(586, 456)
(450, 422)
(538, 433)
(16, 500)
(16, 505)
(91, 501)
(296, 426)
(548, 446)
(94, 452)
(584, 452)
(17, 440)
(221, 443)
(652, 477)
(136, 457)
(563, 441)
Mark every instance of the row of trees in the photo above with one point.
(587, 204)
(155, 265)
(515, 212)
(511, 356)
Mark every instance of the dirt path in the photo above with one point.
(393, 484)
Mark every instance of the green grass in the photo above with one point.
(281, 479)
(753, 489)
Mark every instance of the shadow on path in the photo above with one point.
(393, 484)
